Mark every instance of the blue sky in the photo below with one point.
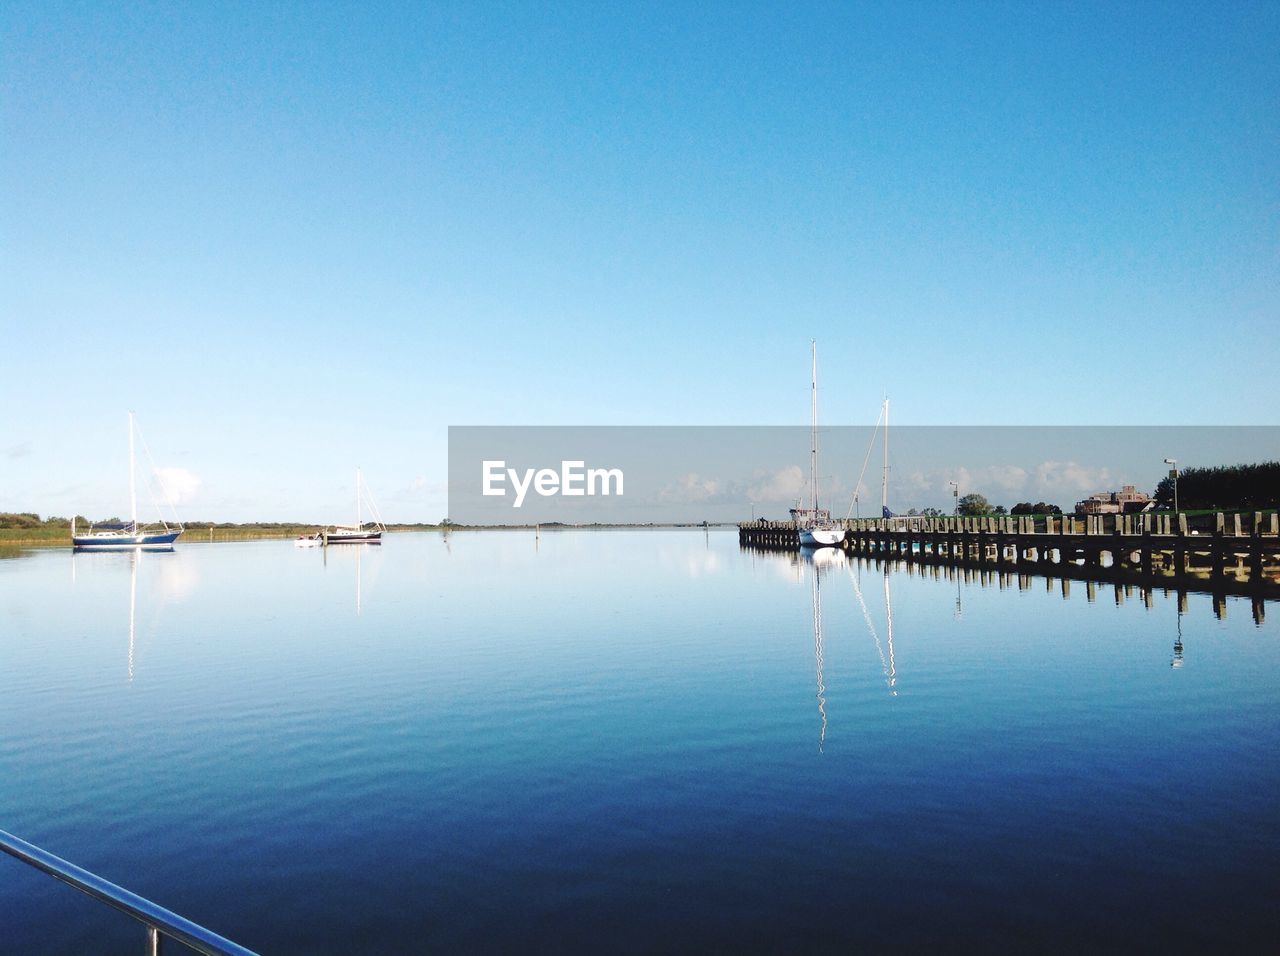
(297, 238)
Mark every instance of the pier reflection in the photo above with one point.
(1106, 589)
(1123, 583)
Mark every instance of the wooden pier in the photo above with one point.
(1226, 553)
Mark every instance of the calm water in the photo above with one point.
(628, 741)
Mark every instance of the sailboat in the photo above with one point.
(357, 533)
(117, 536)
(817, 530)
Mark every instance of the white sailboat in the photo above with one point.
(362, 532)
(118, 536)
(817, 530)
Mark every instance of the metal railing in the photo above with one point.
(158, 920)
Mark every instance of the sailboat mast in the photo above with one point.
(133, 491)
(358, 525)
(884, 482)
(813, 431)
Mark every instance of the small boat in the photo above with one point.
(362, 532)
(817, 530)
(307, 541)
(117, 536)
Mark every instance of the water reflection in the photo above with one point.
(816, 588)
(1119, 592)
(1177, 641)
(890, 666)
(887, 662)
(821, 562)
(465, 739)
(134, 556)
(358, 550)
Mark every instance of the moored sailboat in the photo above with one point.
(121, 535)
(362, 532)
(817, 530)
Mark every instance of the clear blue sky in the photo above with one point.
(300, 237)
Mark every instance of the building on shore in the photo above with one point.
(1128, 499)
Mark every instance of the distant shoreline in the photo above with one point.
(59, 537)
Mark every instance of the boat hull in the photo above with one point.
(122, 542)
(820, 537)
(364, 537)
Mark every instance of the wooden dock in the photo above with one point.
(1219, 553)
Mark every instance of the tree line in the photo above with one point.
(1224, 488)
(1253, 487)
(976, 505)
(29, 520)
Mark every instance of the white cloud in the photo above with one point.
(785, 484)
(1071, 476)
(179, 484)
(420, 486)
(913, 483)
(689, 488)
(1005, 477)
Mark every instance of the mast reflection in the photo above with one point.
(887, 663)
(817, 653)
(358, 549)
(135, 558)
(818, 560)
(135, 562)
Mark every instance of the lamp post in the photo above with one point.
(1174, 475)
(955, 493)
